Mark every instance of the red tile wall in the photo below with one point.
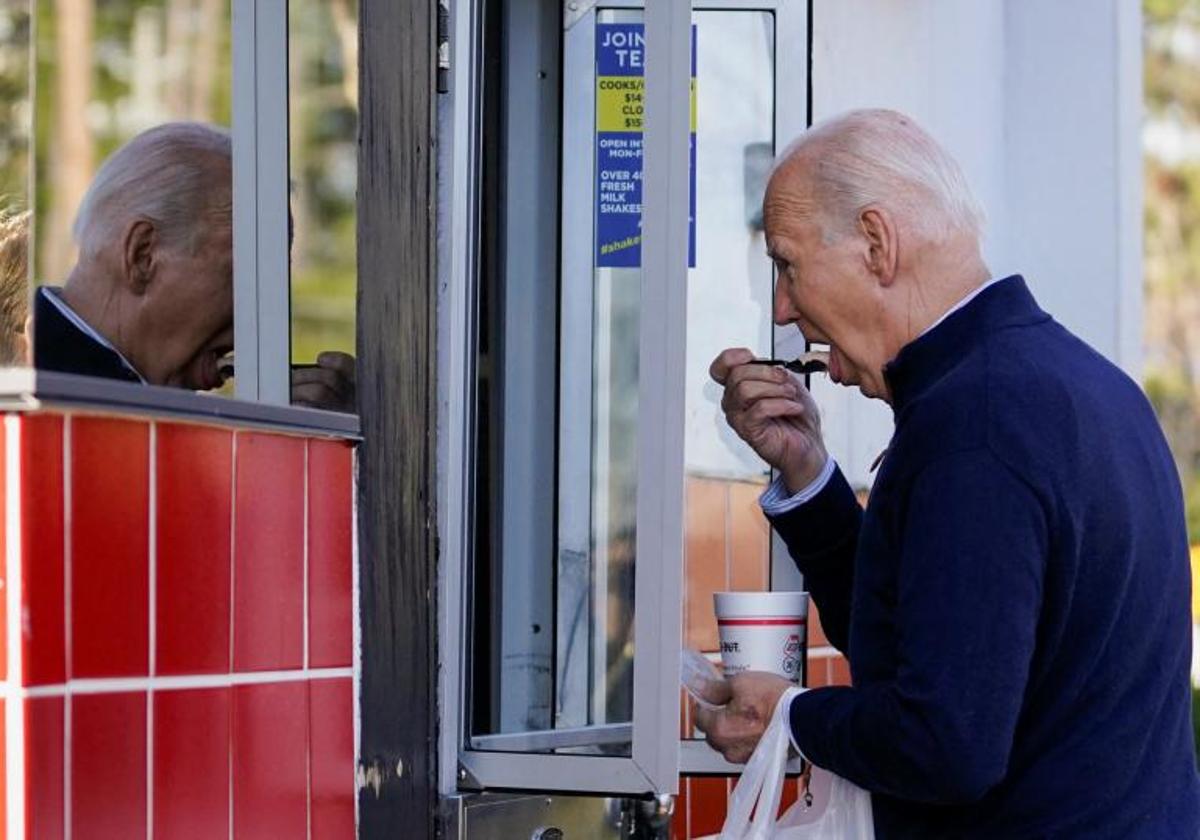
(45, 784)
(727, 548)
(268, 554)
(108, 771)
(42, 548)
(191, 763)
(109, 539)
(186, 653)
(194, 521)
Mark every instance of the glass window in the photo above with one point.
(566, 661)
(323, 149)
(16, 123)
(133, 251)
(135, 195)
(729, 305)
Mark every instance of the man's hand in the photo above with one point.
(329, 384)
(774, 413)
(735, 730)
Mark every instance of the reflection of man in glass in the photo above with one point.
(1014, 600)
(14, 289)
(150, 299)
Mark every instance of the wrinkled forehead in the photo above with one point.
(789, 197)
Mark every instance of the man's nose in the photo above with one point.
(782, 309)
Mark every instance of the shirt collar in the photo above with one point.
(927, 358)
(55, 298)
(970, 297)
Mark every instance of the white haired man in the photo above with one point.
(1014, 600)
(150, 298)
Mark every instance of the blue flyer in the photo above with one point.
(620, 91)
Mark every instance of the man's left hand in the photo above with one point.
(329, 384)
(735, 729)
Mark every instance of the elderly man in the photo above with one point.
(150, 299)
(1014, 600)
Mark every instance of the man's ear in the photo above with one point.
(139, 254)
(883, 247)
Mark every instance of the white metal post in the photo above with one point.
(261, 289)
(661, 372)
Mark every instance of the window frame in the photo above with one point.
(261, 275)
(262, 278)
(653, 765)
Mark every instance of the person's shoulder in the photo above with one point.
(1054, 404)
(1044, 372)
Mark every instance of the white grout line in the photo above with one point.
(69, 648)
(355, 628)
(305, 660)
(304, 588)
(232, 571)
(116, 685)
(152, 611)
(233, 446)
(14, 718)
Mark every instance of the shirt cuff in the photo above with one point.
(776, 501)
(791, 734)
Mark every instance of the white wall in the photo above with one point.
(1039, 101)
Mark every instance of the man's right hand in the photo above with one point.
(773, 412)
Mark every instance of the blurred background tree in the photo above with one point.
(16, 113)
(1172, 229)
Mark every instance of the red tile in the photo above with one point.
(839, 671)
(708, 800)
(791, 792)
(44, 768)
(195, 493)
(818, 672)
(704, 564)
(268, 571)
(331, 733)
(749, 538)
(330, 535)
(685, 714)
(679, 816)
(3, 768)
(43, 646)
(270, 760)
(3, 567)
(816, 633)
(191, 763)
(108, 766)
(110, 513)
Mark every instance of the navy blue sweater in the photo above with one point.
(1014, 601)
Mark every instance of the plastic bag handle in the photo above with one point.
(762, 780)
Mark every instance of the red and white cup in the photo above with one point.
(763, 631)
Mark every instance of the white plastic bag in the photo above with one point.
(840, 810)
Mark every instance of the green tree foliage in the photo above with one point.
(15, 109)
(1172, 232)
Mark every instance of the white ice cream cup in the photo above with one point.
(763, 631)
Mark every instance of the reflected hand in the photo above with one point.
(735, 729)
(772, 411)
(329, 384)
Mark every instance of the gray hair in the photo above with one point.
(166, 175)
(881, 157)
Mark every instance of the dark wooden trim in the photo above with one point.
(397, 389)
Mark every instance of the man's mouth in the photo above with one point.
(208, 370)
(835, 365)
